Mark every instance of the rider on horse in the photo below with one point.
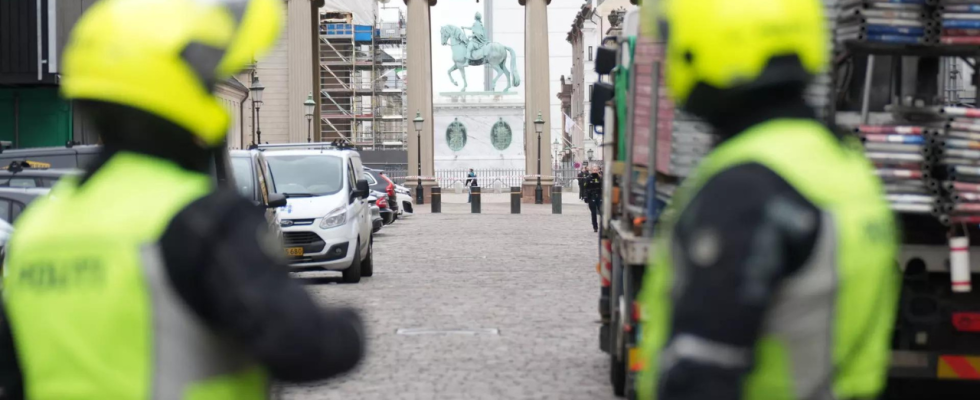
(479, 37)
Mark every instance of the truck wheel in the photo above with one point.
(353, 273)
(367, 266)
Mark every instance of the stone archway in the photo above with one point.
(536, 75)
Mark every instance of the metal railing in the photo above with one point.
(486, 177)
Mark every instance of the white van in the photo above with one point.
(326, 223)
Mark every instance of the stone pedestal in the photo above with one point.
(527, 190)
(480, 131)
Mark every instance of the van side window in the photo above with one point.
(260, 173)
(351, 176)
(358, 167)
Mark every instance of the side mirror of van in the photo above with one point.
(276, 200)
(363, 189)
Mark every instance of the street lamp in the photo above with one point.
(591, 153)
(539, 127)
(418, 143)
(309, 105)
(256, 90)
(555, 147)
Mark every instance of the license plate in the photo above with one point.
(294, 251)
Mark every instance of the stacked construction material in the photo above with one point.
(817, 94)
(958, 155)
(899, 156)
(960, 22)
(884, 21)
(682, 140)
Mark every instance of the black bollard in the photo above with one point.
(556, 199)
(436, 200)
(515, 200)
(475, 203)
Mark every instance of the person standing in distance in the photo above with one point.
(582, 175)
(155, 283)
(773, 275)
(593, 195)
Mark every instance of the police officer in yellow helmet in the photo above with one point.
(139, 279)
(773, 276)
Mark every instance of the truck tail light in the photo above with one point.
(966, 321)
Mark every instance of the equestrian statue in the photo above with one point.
(475, 50)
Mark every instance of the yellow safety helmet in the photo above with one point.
(166, 56)
(724, 46)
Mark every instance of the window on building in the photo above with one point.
(591, 131)
(590, 53)
(590, 91)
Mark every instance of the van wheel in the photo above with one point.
(367, 266)
(353, 273)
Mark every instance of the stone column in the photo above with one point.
(300, 64)
(419, 87)
(536, 98)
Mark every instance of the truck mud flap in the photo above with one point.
(604, 338)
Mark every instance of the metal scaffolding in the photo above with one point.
(362, 82)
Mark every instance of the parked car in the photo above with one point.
(381, 183)
(254, 181)
(326, 222)
(28, 176)
(69, 156)
(377, 222)
(403, 204)
(406, 204)
(13, 201)
(73, 156)
(387, 214)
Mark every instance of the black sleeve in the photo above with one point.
(231, 271)
(744, 232)
(11, 380)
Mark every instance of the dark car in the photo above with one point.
(32, 175)
(382, 184)
(13, 201)
(254, 181)
(71, 156)
(387, 214)
(78, 156)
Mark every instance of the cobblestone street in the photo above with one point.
(519, 290)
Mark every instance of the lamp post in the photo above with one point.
(418, 131)
(309, 105)
(555, 147)
(591, 153)
(256, 90)
(539, 127)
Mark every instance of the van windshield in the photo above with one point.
(306, 175)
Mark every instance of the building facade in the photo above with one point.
(33, 114)
(593, 22)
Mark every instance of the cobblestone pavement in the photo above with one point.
(530, 276)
